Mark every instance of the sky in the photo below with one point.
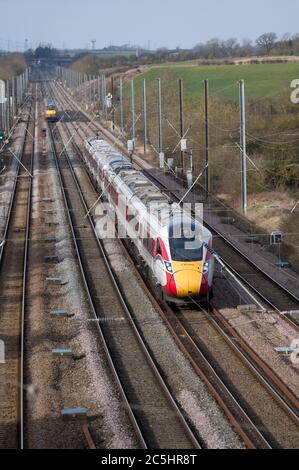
(169, 23)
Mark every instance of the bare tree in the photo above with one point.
(213, 47)
(247, 48)
(230, 46)
(267, 41)
(286, 37)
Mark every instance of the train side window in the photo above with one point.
(159, 250)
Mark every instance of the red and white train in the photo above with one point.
(175, 248)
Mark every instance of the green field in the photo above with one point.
(262, 80)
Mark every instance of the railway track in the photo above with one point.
(262, 380)
(146, 397)
(13, 274)
(270, 291)
(237, 341)
(272, 408)
(260, 407)
(273, 294)
(290, 406)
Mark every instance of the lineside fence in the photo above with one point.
(12, 95)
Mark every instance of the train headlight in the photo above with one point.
(206, 267)
(168, 266)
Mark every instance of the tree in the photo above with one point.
(267, 41)
(214, 48)
(247, 48)
(45, 52)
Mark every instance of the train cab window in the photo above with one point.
(186, 249)
(159, 249)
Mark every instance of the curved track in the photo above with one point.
(245, 426)
(149, 403)
(273, 293)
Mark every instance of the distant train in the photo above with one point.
(175, 248)
(50, 110)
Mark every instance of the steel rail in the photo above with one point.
(27, 235)
(235, 417)
(148, 356)
(90, 300)
(279, 393)
(19, 166)
(258, 269)
(30, 122)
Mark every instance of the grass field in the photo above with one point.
(272, 121)
(262, 80)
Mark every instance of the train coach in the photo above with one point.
(176, 249)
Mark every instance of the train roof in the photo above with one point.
(140, 187)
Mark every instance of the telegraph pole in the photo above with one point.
(99, 92)
(13, 94)
(112, 100)
(243, 147)
(90, 87)
(207, 143)
(2, 104)
(121, 106)
(181, 118)
(144, 116)
(94, 88)
(133, 111)
(104, 97)
(7, 106)
(160, 117)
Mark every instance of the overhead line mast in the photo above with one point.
(243, 147)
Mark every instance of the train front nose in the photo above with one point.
(188, 278)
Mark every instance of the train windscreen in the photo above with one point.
(186, 249)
